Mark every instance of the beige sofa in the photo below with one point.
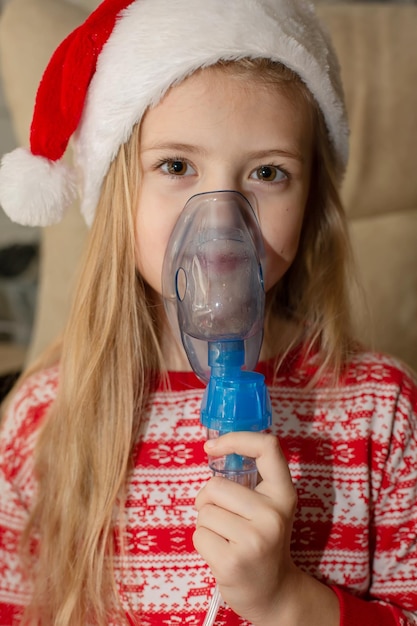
(376, 46)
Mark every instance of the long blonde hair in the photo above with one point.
(110, 352)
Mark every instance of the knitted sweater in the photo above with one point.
(352, 453)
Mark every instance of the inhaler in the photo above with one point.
(213, 290)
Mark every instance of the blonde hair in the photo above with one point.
(110, 352)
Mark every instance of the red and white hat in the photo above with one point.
(125, 56)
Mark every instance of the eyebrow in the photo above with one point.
(175, 147)
(191, 148)
(291, 154)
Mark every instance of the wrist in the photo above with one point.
(302, 601)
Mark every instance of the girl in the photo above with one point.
(108, 514)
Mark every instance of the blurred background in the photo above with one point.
(19, 261)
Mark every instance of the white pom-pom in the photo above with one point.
(35, 191)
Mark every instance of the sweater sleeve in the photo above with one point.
(18, 437)
(392, 596)
(355, 611)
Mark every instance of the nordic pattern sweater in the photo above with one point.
(352, 453)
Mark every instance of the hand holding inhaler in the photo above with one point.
(213, 289)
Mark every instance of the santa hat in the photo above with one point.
(122, 60)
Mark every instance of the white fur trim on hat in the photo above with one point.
(35, 191)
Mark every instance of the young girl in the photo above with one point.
(108, 514)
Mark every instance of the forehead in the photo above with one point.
(237, 93)
(238, 76)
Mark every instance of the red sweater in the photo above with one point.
(352, 452)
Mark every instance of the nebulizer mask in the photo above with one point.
(212, 284)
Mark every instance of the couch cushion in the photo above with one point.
(385, 248)
(377, 49)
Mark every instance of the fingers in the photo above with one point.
(243, 519)
(238, 515)
(226, 496)
(226, 524)
(270, 460)
(243, 534)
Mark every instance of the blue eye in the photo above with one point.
(177, 167)
(269, 174)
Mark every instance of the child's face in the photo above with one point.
(214, 133)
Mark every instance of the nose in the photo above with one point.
(229, 182)
(223, 216)
(221, 174)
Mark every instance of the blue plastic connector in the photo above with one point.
(234, 400)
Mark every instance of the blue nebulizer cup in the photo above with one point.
(234, 400)
(213, 289)
(212, 283)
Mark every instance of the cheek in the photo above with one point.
(152, 236)
(281, 245)
(276, 266)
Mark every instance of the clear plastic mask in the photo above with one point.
(212, 279)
